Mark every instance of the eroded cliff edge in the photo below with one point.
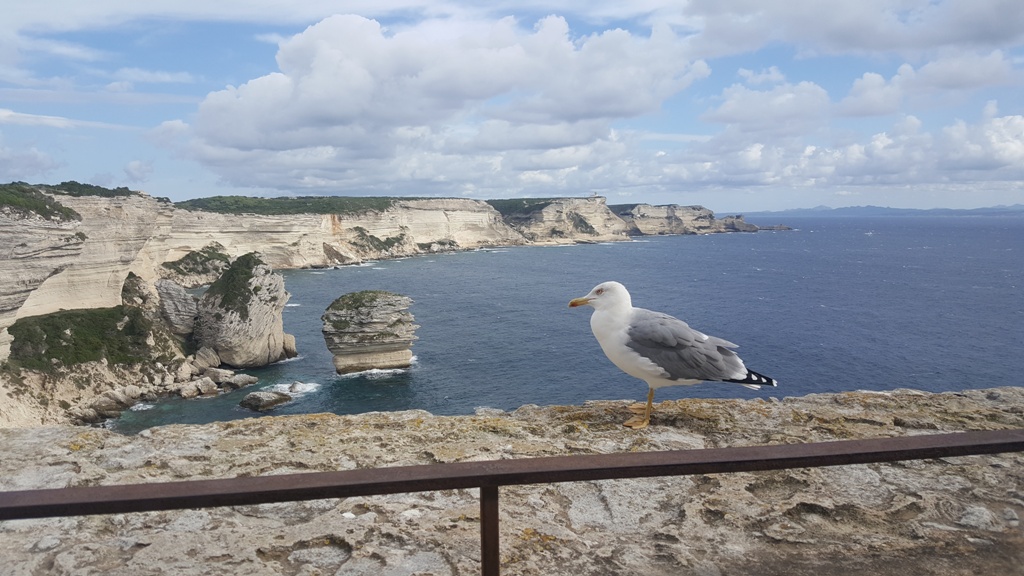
(937, 517)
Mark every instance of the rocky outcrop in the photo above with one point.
(177, 307)
(264, 400)
(240, 315)
(938, 517)
(372, 329)
(647, 220)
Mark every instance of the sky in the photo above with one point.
(740, 105)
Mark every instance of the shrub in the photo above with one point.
(297, 205)
(25, 199)
(233, 285)
(70, 337)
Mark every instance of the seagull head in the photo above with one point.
(604, 296)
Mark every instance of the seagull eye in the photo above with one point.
(599, 291)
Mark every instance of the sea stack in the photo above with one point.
(369, 329)
(240, 315)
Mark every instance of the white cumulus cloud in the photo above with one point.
(354, 103)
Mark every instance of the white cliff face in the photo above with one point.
(284, 241)
(650, 220)
(317, 240)
(244, 323)
(32, 250)
(118, 239)
(468, 223)
(572, 219)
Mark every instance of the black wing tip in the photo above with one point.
(755, 379)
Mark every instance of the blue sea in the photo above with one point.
(837, 304)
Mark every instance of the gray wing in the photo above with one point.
(684, 353)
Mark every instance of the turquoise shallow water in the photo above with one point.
(932, 303)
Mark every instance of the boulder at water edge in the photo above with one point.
(369, 329)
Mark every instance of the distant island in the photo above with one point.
(880, 211)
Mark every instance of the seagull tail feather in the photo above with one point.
(754, 380)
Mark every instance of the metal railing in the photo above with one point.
(488, 476)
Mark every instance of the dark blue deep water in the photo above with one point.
(932, 303)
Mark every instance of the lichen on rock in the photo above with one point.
(369, 329)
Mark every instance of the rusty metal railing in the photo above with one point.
(488, 476)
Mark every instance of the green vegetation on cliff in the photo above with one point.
(233, 285)
(203, 261)
(372, 242)
(298, 205)
(520, 206)
(357, 300)
(26, 199)
(118, 334)
(72, 188)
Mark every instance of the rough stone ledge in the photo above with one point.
(936, 517)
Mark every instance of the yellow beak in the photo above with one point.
(579, 302)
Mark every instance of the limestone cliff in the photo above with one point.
(563, 219)
(315, 240)
(939, 517)
(240, 316)
(34, 247)
(120, 236)
(371, 329)
(647, 220)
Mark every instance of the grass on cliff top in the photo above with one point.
(233, 285)
(118, 334)
(356, 300)
(72, 188)
(27, 199)
(520, 206)
(299, 205)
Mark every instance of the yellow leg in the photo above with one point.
(641, 420)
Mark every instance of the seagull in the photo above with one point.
(660, 349)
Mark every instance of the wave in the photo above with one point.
(295, 388)
(141, 406)
(378, 373)
(292, 305)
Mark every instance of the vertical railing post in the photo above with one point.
(490, 558)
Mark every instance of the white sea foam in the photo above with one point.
(295, 388)
(141, 406)
(292, 305)
(377, 373)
